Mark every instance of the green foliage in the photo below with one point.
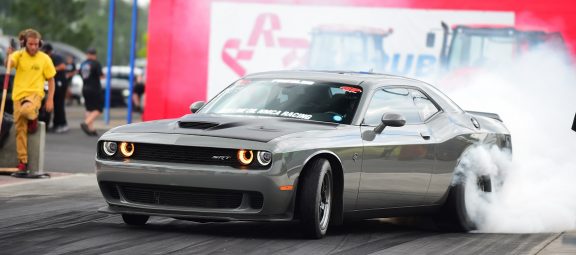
(57, 20)
(143, 51)
(81, 23)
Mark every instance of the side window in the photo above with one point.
(425, 107)
(392, 100)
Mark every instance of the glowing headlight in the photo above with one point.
(127, 149)
(264, 157)
(245, 156)
(109, 148)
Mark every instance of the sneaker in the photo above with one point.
(85, 128)
(93, 133)
(61, 129)
(22, 167)
(32, 126)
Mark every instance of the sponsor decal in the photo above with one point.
(293, 81)
(268, 112)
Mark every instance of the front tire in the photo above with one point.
(315, 199)
(135, 220)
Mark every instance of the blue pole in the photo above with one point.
(111, 15)
(132, 53)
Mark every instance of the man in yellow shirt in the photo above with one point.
(33, 68)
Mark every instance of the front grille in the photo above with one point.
(197, 125)
(184, 154)
(178, 154)
(184, 196)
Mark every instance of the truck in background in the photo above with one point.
(477, 46)
(347, 48)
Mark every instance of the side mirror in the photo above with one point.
(430, 39)
(392, 120)
(194, 107)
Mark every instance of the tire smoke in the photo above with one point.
(534, 190)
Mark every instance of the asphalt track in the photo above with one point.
(59, 216)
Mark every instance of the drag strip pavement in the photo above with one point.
(58, 216)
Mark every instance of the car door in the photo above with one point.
(397, 163)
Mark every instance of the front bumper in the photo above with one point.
(194, 191)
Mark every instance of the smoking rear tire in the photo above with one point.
(455, 216)
(315, 199)
(135, 220)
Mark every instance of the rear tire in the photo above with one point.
(135, 220)
(455, 216)
(315, 199)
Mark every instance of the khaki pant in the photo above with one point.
(23, 112)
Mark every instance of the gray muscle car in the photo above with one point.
(317, 147)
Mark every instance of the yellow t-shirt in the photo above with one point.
(31, 73)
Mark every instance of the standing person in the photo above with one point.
(137, 95)
(33, 67)
(70, 72)
(91, 72)
(60, 125)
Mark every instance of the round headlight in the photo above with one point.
(245, 156)
(109, 148)
(127, 149)
(264, 158)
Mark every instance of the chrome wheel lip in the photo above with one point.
(325, 201)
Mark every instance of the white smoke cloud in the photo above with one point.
(536, 98)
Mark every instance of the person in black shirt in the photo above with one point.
(60, 125)
(91, 73)
(70, 72)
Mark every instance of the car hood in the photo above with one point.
(253, 128)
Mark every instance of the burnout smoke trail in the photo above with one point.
(536, 98)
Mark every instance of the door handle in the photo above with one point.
(425, 135)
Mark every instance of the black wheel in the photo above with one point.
(135, 220)
(315, 200)
(456, 216)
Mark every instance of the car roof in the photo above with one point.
(367, 79)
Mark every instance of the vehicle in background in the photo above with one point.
(8, 104)
(120, 83)
(65, 50)
(4, 43)
(353, 48)
(477, 46)
(79, 56)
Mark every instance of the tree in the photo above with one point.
(97, 18)
(80, 23)
(57, 20)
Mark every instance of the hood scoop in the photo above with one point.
(197, 124)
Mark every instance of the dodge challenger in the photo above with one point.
(310, 146)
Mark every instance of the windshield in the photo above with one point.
(480, 50)
(288, 98)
